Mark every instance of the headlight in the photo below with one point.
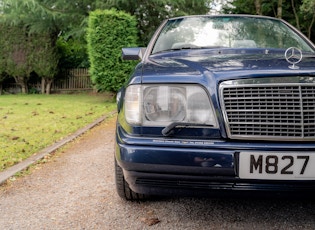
(160, 105)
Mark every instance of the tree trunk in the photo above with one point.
(42, 86)
(22, 81)
(296, 16)
(258, 7)
(1, 88)
(24, 88)
(279, 9)
(49, 82)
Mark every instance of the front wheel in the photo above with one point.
(123, 188)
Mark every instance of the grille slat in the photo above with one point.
(269, 111)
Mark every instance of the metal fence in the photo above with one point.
(70, 80)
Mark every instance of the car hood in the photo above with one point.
(226, 66)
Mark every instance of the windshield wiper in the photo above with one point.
(212, 47)
(169, 130)
(190, 48)
(176, 49)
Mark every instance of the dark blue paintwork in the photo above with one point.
(202, 159)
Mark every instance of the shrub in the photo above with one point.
(108, 32)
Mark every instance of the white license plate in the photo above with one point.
(277, 165)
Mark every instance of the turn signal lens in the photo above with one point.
(133, 101)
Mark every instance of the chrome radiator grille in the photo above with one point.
(269, 111)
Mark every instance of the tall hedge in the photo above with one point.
(108, 32)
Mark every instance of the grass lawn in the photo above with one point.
(29, 123)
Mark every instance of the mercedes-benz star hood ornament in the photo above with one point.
(293, 55)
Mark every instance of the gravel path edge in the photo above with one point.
(6, 174)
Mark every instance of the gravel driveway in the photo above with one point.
(75, 190)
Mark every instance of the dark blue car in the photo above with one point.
(218, 103)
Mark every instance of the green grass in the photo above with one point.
(29, 123)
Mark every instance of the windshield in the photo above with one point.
(228, 32)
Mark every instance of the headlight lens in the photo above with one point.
(160, 105)
(164, 104)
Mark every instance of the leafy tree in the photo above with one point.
(17, 49)
(45, 61)
(73, 53)
(46, 15)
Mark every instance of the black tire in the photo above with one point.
(123, 188)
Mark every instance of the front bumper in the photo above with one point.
(179, 166)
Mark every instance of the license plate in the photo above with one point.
(277, 165)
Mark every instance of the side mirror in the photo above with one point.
(133, 53)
